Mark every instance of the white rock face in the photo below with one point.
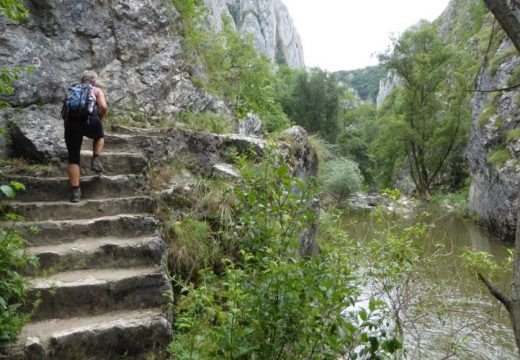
(268, 21)
(386, 85)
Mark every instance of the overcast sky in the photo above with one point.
(344, 34)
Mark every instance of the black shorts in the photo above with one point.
(74, 132)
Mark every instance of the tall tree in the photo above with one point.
(314, 102)
(506, 17)
(429, 113)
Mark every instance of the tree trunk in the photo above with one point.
(506, 18)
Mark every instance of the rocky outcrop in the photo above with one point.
(387, 85)
(495, 188)
(251, 126)
(270, 24)
(130, 44)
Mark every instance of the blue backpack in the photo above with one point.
(79, 103)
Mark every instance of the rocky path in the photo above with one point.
(101, 284)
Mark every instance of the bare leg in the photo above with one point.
(73, 172)
(98, 146)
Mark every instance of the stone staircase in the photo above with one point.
(101, 286)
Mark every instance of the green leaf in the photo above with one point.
(17, 186)
(8, 191)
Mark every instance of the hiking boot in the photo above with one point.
(75, 196)
(95, 165)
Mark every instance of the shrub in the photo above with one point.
(499, 157)
(341, 177)
(268, 302)
(13, 287)
(513, 135)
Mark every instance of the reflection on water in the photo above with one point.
(476, 322)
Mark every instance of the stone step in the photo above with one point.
(115, 163)
(138, 334)
(86, 209)
(60, 231)
(121, 142)
(148, 132)
(92, 253)
(92, 187)
(97, 291)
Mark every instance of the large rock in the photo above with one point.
(495, 188)
(268, 21)
(130, 44)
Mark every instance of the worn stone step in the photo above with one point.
(91, 253)
(92, 187)
(138, 334)
(115, 163)
(62, 231)
(149, 132)
(86, 209)
(97, 291)
(121, 142)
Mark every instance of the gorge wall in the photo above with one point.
(493, 152)
(268, 21)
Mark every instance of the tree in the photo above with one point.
(505, 15)
(429, 113)
(314, 102)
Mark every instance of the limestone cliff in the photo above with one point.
(268, 21)
(493, 152)
(134, 47)
(495, 187)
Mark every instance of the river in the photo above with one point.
(474, 326)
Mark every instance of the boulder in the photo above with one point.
(251, 126)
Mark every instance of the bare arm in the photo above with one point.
(101, 102)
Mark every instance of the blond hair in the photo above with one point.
(90, 77)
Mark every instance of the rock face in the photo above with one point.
(130, 44)
(268, 21)
(495, 189)
(387, 85)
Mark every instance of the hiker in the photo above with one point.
(82, 112)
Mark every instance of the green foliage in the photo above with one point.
(207, 122)
(513, 135)
(514, 78)
(497, 60)
(365, 81)
(13, 258)
(192, 247)
(429, 116)
(478, 262)
(13, 9)
(488, 112)
(233, 69)
(312, 99)
(499, 156)
(341, 177)
(268, 302)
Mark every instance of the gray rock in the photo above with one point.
(302, 157)
(268, 21)
(36, 132)
(130, 44)
(251, 126)
(494, 193)
(387, 85)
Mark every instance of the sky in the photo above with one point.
(346, 34)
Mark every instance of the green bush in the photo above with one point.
(499, 157)
(13, 286)
(341, 177)
(513, 135)
(270, 303)
(209, 122)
